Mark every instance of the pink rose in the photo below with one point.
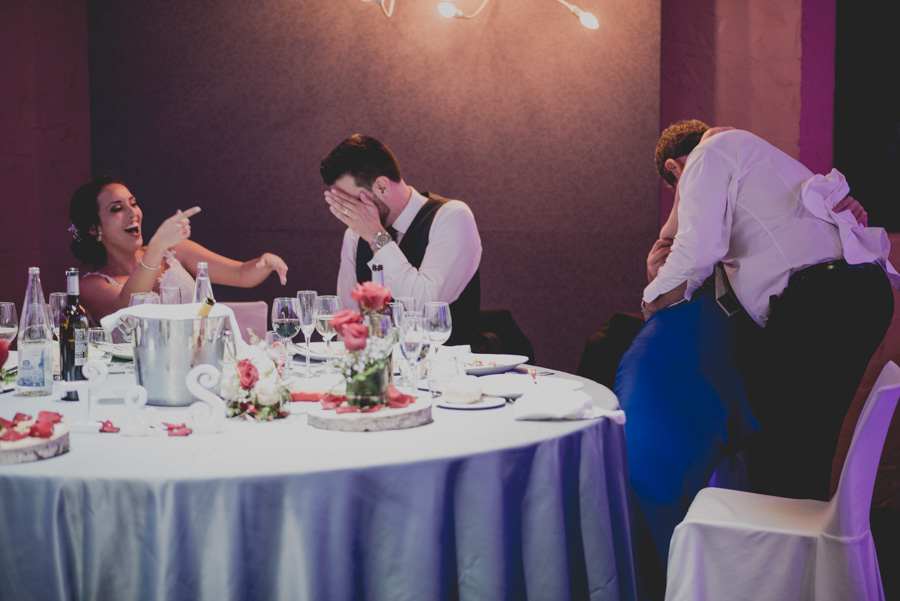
(355, 335)
(370, 295)
(340, 320)
(4, 352)
(248, 373)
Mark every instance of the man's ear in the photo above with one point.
(380, 187)
(675, 167)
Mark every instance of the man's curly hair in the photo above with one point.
(677, 140)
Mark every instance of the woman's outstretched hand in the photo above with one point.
(272, 262)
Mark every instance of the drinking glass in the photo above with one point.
(99, 345)
(438, 323)
(275, 348)
(307, 313)
(412, 336)
(143, 298)
(170, 295)
(442, 367)
(9, 322)
(58, 301)
(326, 307)
(286, 323)
(409, 303)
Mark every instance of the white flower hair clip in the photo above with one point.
(74, 231)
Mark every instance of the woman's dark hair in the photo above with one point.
(84, 214)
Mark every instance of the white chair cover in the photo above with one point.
(253, 315)
(737, 545)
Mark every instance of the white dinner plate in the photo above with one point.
(483, 364)
(317, 350)
(123, 350)
(486, 402)
(512, 386)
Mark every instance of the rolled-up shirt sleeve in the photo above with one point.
(704, 223)
(451, 258)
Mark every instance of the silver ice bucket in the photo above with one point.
(165, 350)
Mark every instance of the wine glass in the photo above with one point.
(307, 313)
(170, 295)
(438, 323)
(58, 302)
(143, 298)
(99, 345)
(326, 307)
(9, 322)
(409, 303)
(275, 349)
(286, 323)
(412, 336)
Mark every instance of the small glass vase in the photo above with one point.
(370, 387)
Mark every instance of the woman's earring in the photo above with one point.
(99, 236)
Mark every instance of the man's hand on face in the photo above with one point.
(359, 214)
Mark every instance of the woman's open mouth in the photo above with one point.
(134, 229)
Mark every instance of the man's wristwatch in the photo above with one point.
(381, 240)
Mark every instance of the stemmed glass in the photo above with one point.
(409, 303)
(326, 307)
(58, 301)
(438, 323)
(286, 323)
(412, 336)
(143, 298)
(307, 313)
(9, 322)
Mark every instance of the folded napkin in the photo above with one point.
(544, 404)
(184, 311)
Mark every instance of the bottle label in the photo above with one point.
(33, 367)
(81, 346)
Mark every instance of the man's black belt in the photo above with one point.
(836, 265)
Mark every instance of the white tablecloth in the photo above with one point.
(475, 506)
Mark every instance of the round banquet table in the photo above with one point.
(474, 506)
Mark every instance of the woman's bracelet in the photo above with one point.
(145, 266)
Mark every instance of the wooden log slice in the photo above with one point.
(35, 449)
(417, 414)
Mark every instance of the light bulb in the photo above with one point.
(589, 20)
(448, 9)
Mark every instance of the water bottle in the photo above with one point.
(35, 341)
(73, 335)
(202, 287)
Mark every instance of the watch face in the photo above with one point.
(381, 239)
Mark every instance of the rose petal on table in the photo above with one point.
(41, 429)
(179, 430)
(108, 426)
(6, 424)
(50, 416)
(347, 409)
(398, 400)
(12, 435)
(371, 409)
(300, 396)
(332, 401)
(21, 417)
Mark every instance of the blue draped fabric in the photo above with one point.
(680, 386)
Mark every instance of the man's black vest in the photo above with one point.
(465, 309)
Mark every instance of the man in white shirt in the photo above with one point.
(802, 266)
(429, 246)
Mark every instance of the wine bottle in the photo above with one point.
(202, 286)
(73, 335)
(35, 341)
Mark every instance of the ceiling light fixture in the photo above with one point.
(587, 19)
(449, 10)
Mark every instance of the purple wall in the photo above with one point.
(545, 128)
(44, 138)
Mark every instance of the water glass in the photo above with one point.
(326, 307)
(170, 295)
(438, 323)
(99, 345)
(275, 348)
(9, 322)
(143, 298)
(412, 336)
(409, 303)
(58, 302)
(442, 367)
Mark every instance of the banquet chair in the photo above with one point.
(739, 545)
(253, 315)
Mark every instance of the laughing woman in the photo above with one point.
(108, 236)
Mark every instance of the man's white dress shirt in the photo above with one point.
(451, 258)
(765, 216)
